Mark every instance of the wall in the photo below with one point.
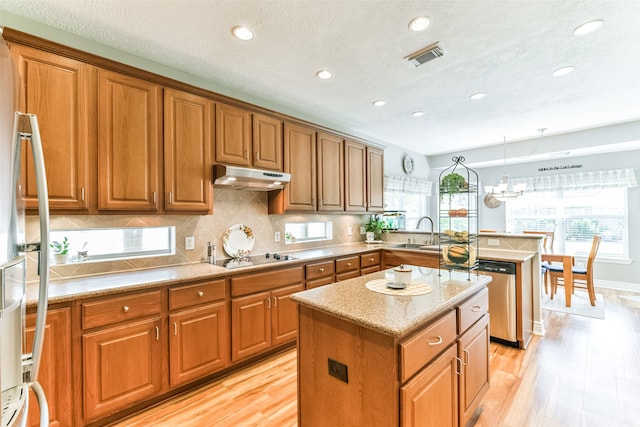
(230, 207)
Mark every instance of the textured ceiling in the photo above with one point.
(507, 49)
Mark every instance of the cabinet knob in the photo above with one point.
(125, 309)
(321, 269)
(200, 294)
(370, 259)
(348, 264)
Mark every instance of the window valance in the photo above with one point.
(616, 178)
(407, 185)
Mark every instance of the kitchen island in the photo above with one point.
(372, 358)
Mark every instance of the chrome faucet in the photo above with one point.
(418, 228)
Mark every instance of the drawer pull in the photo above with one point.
(321, 269)
(371, 260)
(348, 264)
(438, 341)
(125, 308)
(200, 293)
(175, 328)
(465, 362)
(157, 333)
(476, 308)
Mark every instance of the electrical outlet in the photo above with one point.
(189, 243)
(362, 230)
(349, 231)
(338, 370)
(493, 242)
(276, 237)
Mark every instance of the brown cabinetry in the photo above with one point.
(395, 258)
(474, 377)
(188, 145)
(55, 368)
(319, 274)
(267, 142)
(129, 143)
(375, 179)
(233, 135)
(198, 332)
(347, 268)
(60, 91)
(364, 177)
(330, 172)
(370, 262)
(262, 313)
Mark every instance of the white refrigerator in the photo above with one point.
(19, 370)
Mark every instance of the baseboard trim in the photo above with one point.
(538, 328)
(619, 286)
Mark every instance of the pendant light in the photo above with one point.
(503, 191)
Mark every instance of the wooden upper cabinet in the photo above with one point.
(355, 176)
(267, 142)
(330, 172)
(375, 179)
(188, 145)
(129, 143)
(233, 135)
(300, 162)
(61, 93)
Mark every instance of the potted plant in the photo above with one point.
(60, 250)
(376, 226)
(452, 183)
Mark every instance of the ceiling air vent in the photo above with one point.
(425, 55)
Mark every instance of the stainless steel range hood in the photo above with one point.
(239, 178)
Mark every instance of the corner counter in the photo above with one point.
(368, 358)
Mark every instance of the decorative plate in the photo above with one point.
(238, 240)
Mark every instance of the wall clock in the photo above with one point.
(407, 165)
(490, 201)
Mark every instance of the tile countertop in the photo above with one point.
(109, 283)
(392, 315)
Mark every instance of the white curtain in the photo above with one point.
(580, 181)
(407, 185)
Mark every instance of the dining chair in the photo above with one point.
(582, 276)
(547, 247)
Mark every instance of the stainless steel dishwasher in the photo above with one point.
(502, 300)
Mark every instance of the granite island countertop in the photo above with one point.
(393, 315)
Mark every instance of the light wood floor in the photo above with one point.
(584, 372)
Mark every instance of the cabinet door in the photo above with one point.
(55, 368)
(284, 315)
(267, 142)
(300, 162)
(129, 145)
(375, 180)
(251, 325)
(355, 176)
(121, 366)
(58, 91)
(330, 173)
(188, 143)
(198, 342)
(233, 135)
(431, 397)
(473, 350)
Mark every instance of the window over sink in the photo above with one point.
(299, 232)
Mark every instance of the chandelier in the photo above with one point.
(503, 191)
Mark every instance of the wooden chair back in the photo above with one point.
(595, 245)
(547, 241)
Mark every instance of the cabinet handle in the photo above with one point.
(175, 328)
(476, 308)
(246, 154)
(82, 194)
(200, 293)
(125, 308)
(257, 155)
(170, 197)
(459, 367)
(157, 333)
(321, 269)
(268, 300)
(466, 357)
(154, 198)
(438, 341)
(275, 301)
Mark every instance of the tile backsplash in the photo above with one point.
(230, 207)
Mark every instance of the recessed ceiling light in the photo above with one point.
(420, 23)
(379, 103)
(588, 27)
(563, 71)
(242, 33)
(324, 74)
(417, 113)
(477, 95)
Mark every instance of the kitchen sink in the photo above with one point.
(419, 246)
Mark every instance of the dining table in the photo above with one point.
(567, 272)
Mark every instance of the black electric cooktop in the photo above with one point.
(253, 260)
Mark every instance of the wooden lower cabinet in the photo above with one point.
(473, 350)
(55, 368)
(198, 342)
(431, 398)
(122, 366)
(395, 258)
(263, 320)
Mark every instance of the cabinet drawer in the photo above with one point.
(199, 293)
(116, 310)
(258, 282)
(369, 260)
(319, 282)
(344, 265)
(473, 309)
(417, 351)
(347, 275)
(321, 269)
(369, 270)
